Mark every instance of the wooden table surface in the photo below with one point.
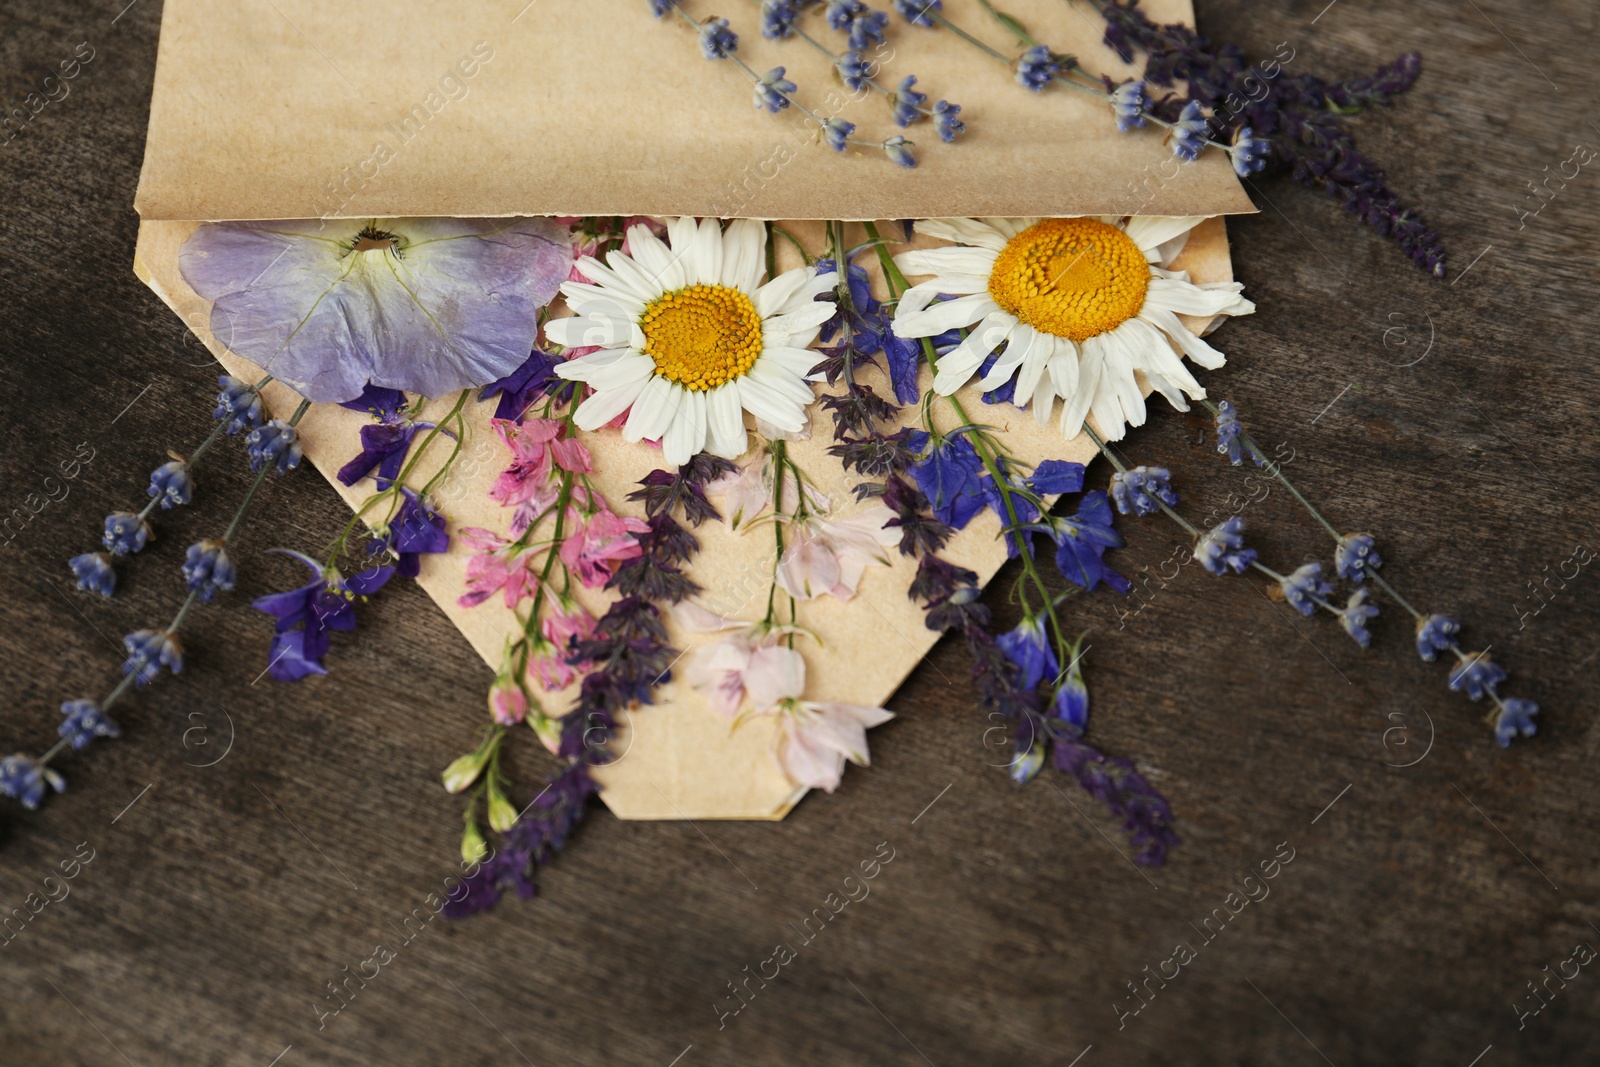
(222, 899)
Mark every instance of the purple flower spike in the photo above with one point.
(425, 306)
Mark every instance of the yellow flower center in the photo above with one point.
(703, 336)
(1071, 277)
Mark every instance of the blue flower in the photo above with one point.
(946, 120)
(171, 484)
(659, 8)
(1305, 584)
(716, 40)
(1435, 634)
(1027, 764)
(905, 361)
(1228, 431)
(949, 476)
(916, 11)
(1136, 491)
(1036, 68)
(1355, 554)
(1222, 548)
(84, 722)
(1248, 153)
(777, 19)
(1128, 104)
(836, 132)
(1189, 132)
(1082, 541)
(907, 102)
(1355, 615)
(148, 652)
(519, 389)
(1053, 477)
(1516, 716)
(125, 533)
(1028, 648)
(864, 25)
(383, 447)
(385, 405)
(854, 70)
(24, 779)
(772, 91)
(239, 404)
(322, 605)
(277, 443)
(899, 150)
(207, 569)
(416, 529)
(94, 573)
(1477, 675)
(1072, 696)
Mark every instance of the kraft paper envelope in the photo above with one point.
(290, 109)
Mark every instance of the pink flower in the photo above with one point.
(830, 556)
(595, 548)
(814, 740)
(497, 567)
(750, 663)
(508, 704)
(565, 622)
(548, 665)
(747, 491)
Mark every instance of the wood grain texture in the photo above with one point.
(1416, 908)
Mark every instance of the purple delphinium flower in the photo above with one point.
(899, 150)
(1516, 716)
(946, 121)
(275, 444)
(1304, 587)
(1221, 548)
(1053, 477)
(1146, 815)
(948, 473)
(1355, 615)
(24, 779)
(772, 91)
(416, 529)
(916, 11)
(1071, 704)
(384, 405)
(383, 450)
(1355, 554)
(84, 721)
(717, 41)
(1028, 647)
(1436, 634)
(239, 404)
(1137, 491)
(148, 652)
(316, 609)
(1189, 132)
(93, 572)
(428, 306)
(536, 378)
(1082, 542)
(854, 70)
(1037, 68)
(125, 533)
(1477, 676)
(836, 132)
(207, 569)
(1128, 103)
(907, 102)
(777, 19)
(170, 483)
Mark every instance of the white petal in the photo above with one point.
(783, 382)
(758, 399)
(1044, 397)
(951, 259)
(725, 422)
(964, 231)
(654, 410)
(681, 234)
(1009, 228)
(796, 361)
(1151, 231)
(704, 261)
(1041, 347)
(772, 297)
(602, 407)
(607, 278)
(956, 367)
(1063, 368)
(594, 329)
(796, 329)
(656, 258)
(1076, 406)
(1193, 347)
(743, 251)
(944, 315)
(922, 294)
(1186, 298)
(583, 298)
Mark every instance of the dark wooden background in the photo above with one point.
(220, 903)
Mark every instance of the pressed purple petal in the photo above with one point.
(457, 306)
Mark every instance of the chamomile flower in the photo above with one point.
(689, 339)
(1075, 307)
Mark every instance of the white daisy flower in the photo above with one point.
(690, 339)
(1078, 304)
